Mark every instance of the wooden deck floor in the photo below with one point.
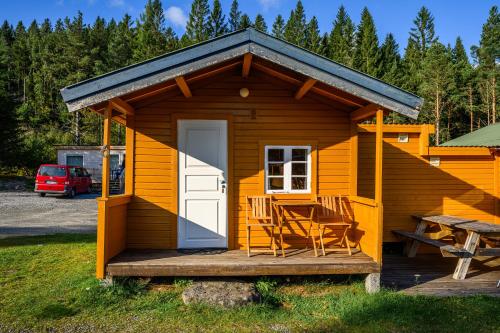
(432, 275)
(236, 263)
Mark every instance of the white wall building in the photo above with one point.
(90, 157)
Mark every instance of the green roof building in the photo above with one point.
(488, 136)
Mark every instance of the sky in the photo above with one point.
(453, 18)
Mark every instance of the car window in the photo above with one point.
(79, 172)
(72, 172)
(85, 173)
(52, 171)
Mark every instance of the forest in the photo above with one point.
(39, 58)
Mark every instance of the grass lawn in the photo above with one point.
(47, 284)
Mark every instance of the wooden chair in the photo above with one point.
(331, 214)
(259, 213)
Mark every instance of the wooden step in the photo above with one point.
(447, 250)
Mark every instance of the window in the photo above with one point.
(74, 160)
(288, 169)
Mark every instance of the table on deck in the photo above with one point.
(451, 226)
(283, 206)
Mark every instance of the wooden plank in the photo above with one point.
(353, 165)
(411, 251)
(106, 143)
(306, 86)
(129, 155)
(183, 86)
(394, 128)
(463, 263)
(364, 112)
(446, 249)
(120, 105)
(488, 252)
(236, 263)
(481, 227)
(247, 63)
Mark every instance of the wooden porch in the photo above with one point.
(236, 263)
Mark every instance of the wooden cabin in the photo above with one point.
(200, 126)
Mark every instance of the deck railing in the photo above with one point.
(111, 229)
(367, 215)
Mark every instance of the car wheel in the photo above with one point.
(42, 194)
(72, 193)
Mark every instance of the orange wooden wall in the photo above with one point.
(461, 185)
(269, 114)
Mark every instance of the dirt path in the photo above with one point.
(25, 213)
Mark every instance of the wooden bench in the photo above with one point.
(449, 226)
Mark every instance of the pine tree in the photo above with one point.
(245, 22)
(463, 98)
(98, 43)
(150, 41)
(121, 43)
(260, 23)
(8, 120)
(197, 28)
(313, 37)
(279, 27)
(342, 39)
(367, 56)
(423, 32)
(217, 25)
(436, 84)
(487, 57)
(390, 60)
(234, 16)
(295, 28)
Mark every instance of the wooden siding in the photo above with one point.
(270, 113)
(462, 185)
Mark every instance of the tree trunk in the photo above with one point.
(438, 116)
(493, 100)
(470, 108)
(77, 127)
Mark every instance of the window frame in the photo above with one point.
(287, 169)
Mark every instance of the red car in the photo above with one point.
(62, 179)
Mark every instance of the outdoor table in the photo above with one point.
(283, 206)
(449, 225)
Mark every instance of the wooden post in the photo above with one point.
(379, 145)
(102, 216)
(379, 139)
(129, 155)
(424, 140)
(108, 113)
(353, 174)
(496, 185)
(463, 263)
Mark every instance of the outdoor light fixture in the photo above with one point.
(244, 92)
(105, 151)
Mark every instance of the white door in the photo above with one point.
(202, 221)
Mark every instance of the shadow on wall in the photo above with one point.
(460, 185)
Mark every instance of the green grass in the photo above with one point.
(47, 284)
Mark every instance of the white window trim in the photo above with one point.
(287, 169)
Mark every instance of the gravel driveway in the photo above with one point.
(25, 213)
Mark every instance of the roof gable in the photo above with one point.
(233, 45)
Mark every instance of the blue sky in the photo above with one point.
(452, 17)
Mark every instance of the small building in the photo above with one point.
(90, 157)
(248, 114)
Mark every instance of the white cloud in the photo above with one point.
(267, 4)
(176, 16)
(116, 3)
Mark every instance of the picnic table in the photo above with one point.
(285, 216)
(454, 226)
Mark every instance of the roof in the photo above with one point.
(233, 45)
(64, 147)
(488, 136)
